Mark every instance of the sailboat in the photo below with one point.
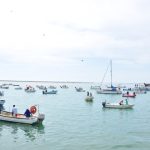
(111, 89)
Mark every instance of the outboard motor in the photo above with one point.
(104, 104)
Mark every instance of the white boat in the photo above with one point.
(95, 87)
(111, 89)
(30, 89)
(79, 89)
(18, 88)
(116, 105)
(52, 87)
(64, 87)
(20, 118)
(89, 98)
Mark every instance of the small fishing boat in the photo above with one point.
(50, 92)
(52, 87)
(109, 91)
(64, 87)
(89, 98)
(21, 118)
(116, 105)
(18, 88)
(79, 89)
(147, 84)
(30, 89)
(2, 102)
(129, 95)
(1, 93)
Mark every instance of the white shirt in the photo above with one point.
(14, 110)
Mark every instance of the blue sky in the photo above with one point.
(46, 40)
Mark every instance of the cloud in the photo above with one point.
(63, 32)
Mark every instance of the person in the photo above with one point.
(121, 102)
(27, 113)
(14, 111)
(87, 93)
(126, 102)
(90, 94)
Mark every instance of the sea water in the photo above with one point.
(71, 123)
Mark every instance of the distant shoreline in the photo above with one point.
(65, 82)
(45, 81)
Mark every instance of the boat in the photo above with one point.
(64, 87)
(79, 89)
(18, 88)
(95, 87)
(2, 102)
(50, 92)
(89, 98)
(111, 89)
(147, 84)
(1, 93)
(133, 95)
(21, 118)
(52, 87)
(117, 105)
(30, 89)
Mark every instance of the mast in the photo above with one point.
(111, 71)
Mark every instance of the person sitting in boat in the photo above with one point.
(27, 113)
(121, 102)
(127, 93)
(14, 111)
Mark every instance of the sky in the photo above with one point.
(74, 40)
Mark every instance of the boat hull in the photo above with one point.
(6, 116)
(108, 92)
(117, 106)
(129, 95)
(89, 98)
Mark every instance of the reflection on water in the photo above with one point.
(30, 131)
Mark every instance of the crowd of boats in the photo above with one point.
(36, 117)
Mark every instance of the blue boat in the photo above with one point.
(50, 92)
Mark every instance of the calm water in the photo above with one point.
(73, 124)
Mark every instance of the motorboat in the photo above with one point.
(1, 93)
(20, 118)
(50, 92)
(89, 98)
(133, 95)
(2, 102)
(116, 105)
(35, 118)
(109, 91)
(18, 88)
(64, 87)
(52, 87)
(79, 89)
(30, 89)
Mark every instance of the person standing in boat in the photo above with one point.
(87, 93)
(126, 102)
(27, 113)
(14, 111)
